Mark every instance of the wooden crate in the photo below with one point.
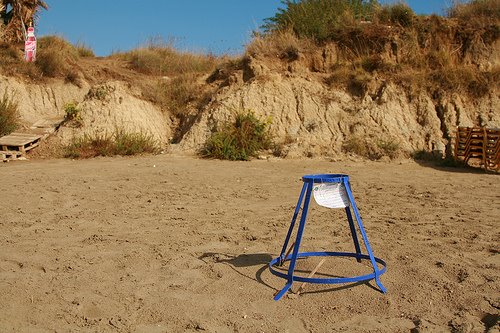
(479, 143)
(10, 155)
(20, 142)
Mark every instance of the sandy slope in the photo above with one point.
(174, 244)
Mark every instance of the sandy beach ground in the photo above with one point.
(177, 244)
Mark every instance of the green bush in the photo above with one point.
(118, 143)
(9, 114)
(73, 114)
(100, 92)
(134, 143)
(319, 19)
(239, 140)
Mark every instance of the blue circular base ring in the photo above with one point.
(359, 278)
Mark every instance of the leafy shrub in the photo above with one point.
(134, 143)
(239, 140)
(100, 92)
(73, 114)
(118, 143)
(89, 146)
(319, 19)
(9, 114)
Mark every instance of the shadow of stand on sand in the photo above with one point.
(263, 259)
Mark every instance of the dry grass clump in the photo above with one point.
(117, 143)
(279, 45)
(225, 68)
(395, 14)
(9, 54)
(84, 50)
(373, 149)
(178, 95)
(476, 10)
(12, 62)
(355, 80)
(55, 58)
(9, 114)
(162, 59)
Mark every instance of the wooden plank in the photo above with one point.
(10, 155)
(48, 123)
(21, 134)
(311, 275)
(32, 145)
(8, 138)
(18, 139)
(15, 142)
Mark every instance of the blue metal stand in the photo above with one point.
(304, 200)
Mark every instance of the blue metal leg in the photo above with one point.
(283, 291)
(353, 233)
(363, 234)
(292, 224)
(298, 239)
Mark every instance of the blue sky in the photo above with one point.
(217, 26)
